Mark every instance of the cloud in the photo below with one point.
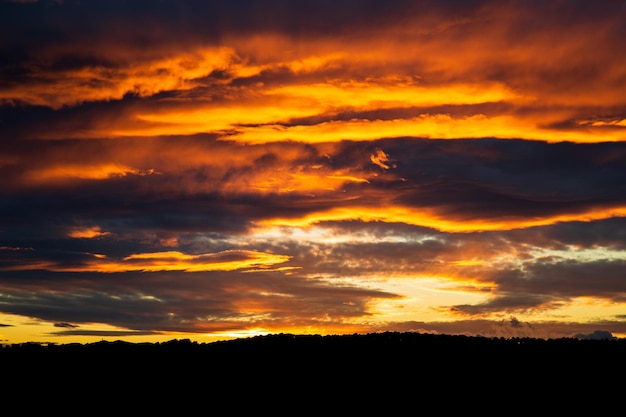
(202, 302)
(164, 261)
(238, 69)
(69, 325)
(380, 158)
(597, 335)
(87, 232)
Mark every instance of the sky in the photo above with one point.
(209, 170)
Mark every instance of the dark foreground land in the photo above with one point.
(380, 349)
(364, 368)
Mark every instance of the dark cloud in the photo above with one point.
(504, 328)
(607, 233)
(465, 179)
(185, 302)
(598, 278)
(511, 303)
(597, 335)
(65, 325)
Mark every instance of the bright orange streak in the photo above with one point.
(211, 119)
(176, 261)
(598, 123)
(273, 182)
(87, 233)
(346, 178)
(468, 262)
(390, 92)
(441, 126)
(89, 172)
(170, 261)
(430, 218)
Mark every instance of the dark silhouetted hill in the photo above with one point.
(370, 367)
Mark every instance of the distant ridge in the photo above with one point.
(297, 355)
(366, 368)
(365, 340)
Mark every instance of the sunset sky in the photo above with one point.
(219, 169)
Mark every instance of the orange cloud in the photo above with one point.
(63, 172)
(86, 232)
(440, 126)
(98, 83)
(229, 260)
(430, 218)
(380, 158)
(258, 112)
(176, 261)
(267, 81)
(390, 92)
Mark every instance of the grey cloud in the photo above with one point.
(69, 325)
(495, 177)
(545, 284)
(511, 303)
(597, 335)
(181, 302)
(607, 233)
(504, 328)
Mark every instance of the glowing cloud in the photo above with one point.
(86, 232)
(380, 158)
(430, 218)
(168, 261)
(60, 173)
(97, 83)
